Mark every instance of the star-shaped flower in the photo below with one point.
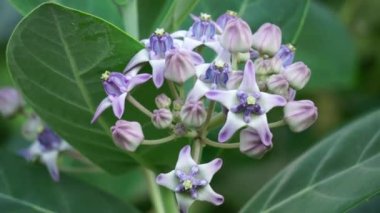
(117, 87)
(47, 147)
(191, 181)
(247, 106)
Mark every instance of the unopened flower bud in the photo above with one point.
(193, 113)
(298, 74)
(286, 54)
(300, 115)
(266, 66)
(278, 84)
(267, 39)
(179, 64)
(180, 129)
(162, 118)
(291, 94)
(163, 101)
(251, 144)
(177, 104)
(10, 101)
(127, 135)
(225, 18)
(32, 127)
(237, 36)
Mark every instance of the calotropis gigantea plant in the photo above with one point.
(251, 73)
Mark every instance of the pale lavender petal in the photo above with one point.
(134, 70)
(208, 170)
(196, 58)
(141, 57)
(158, 68)
(201, 69)
(185, 161)
(224, 55)
(168, 180)
(227, 98)
(191, 44)
(184, 202)
(268, 101)
(260, 124)
(102, 106)
(118, 104)
(198, 91)
(179, 34)
(138, 79)
(249, 79)
(233, 123)
(214, 45)
(50, 160)
(234, 80)
(32, 152)
(209, 195)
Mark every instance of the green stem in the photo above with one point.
(235, 61)
(154, 191)
(277, 124)
(159, 141)
(197, 151)
(216, 120)
(220, 145)
(173, 90)
(302, 22)
(139, 106)
(129, 12)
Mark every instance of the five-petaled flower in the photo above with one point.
(191, 181)
(117, 87)
(247, 107)
(46, 148)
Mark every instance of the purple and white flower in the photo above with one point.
(202, 32)
(154, 53)
(209, 77)
(236, 36)
(286, 54)
(247, 106)
(193, 113)
(162, 118)
(127, 135)
(117, 86)
(191, 181)
(267, 39)
(300, 115)
(47, 147)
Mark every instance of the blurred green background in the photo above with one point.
(354, 92)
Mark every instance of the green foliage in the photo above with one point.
(29, 188)
(334, 176)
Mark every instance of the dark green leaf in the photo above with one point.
(56, 55)
(334, 176)
(29, 188)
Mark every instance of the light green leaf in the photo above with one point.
(56, 55)
(29, 188)
(334, 176)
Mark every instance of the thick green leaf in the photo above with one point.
(29, 188)
(106, 9)
(334, 176)
(56, 55)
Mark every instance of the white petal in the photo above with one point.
(233, 123)
(184, 202)
(260, 124)
(198, 91)
(50, 160)
(158, 67)
(191, 44)
(268, 101)
(249, 79)
(201, 69)
(141, 57)
(179, 34)
(102, 106)
(169, 180)
(32, 152)
(118, 104)
(64, 146)
(209, 195)
(208, 170)
(226, 97)
(185, 161)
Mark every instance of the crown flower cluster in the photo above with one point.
(251, 73)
